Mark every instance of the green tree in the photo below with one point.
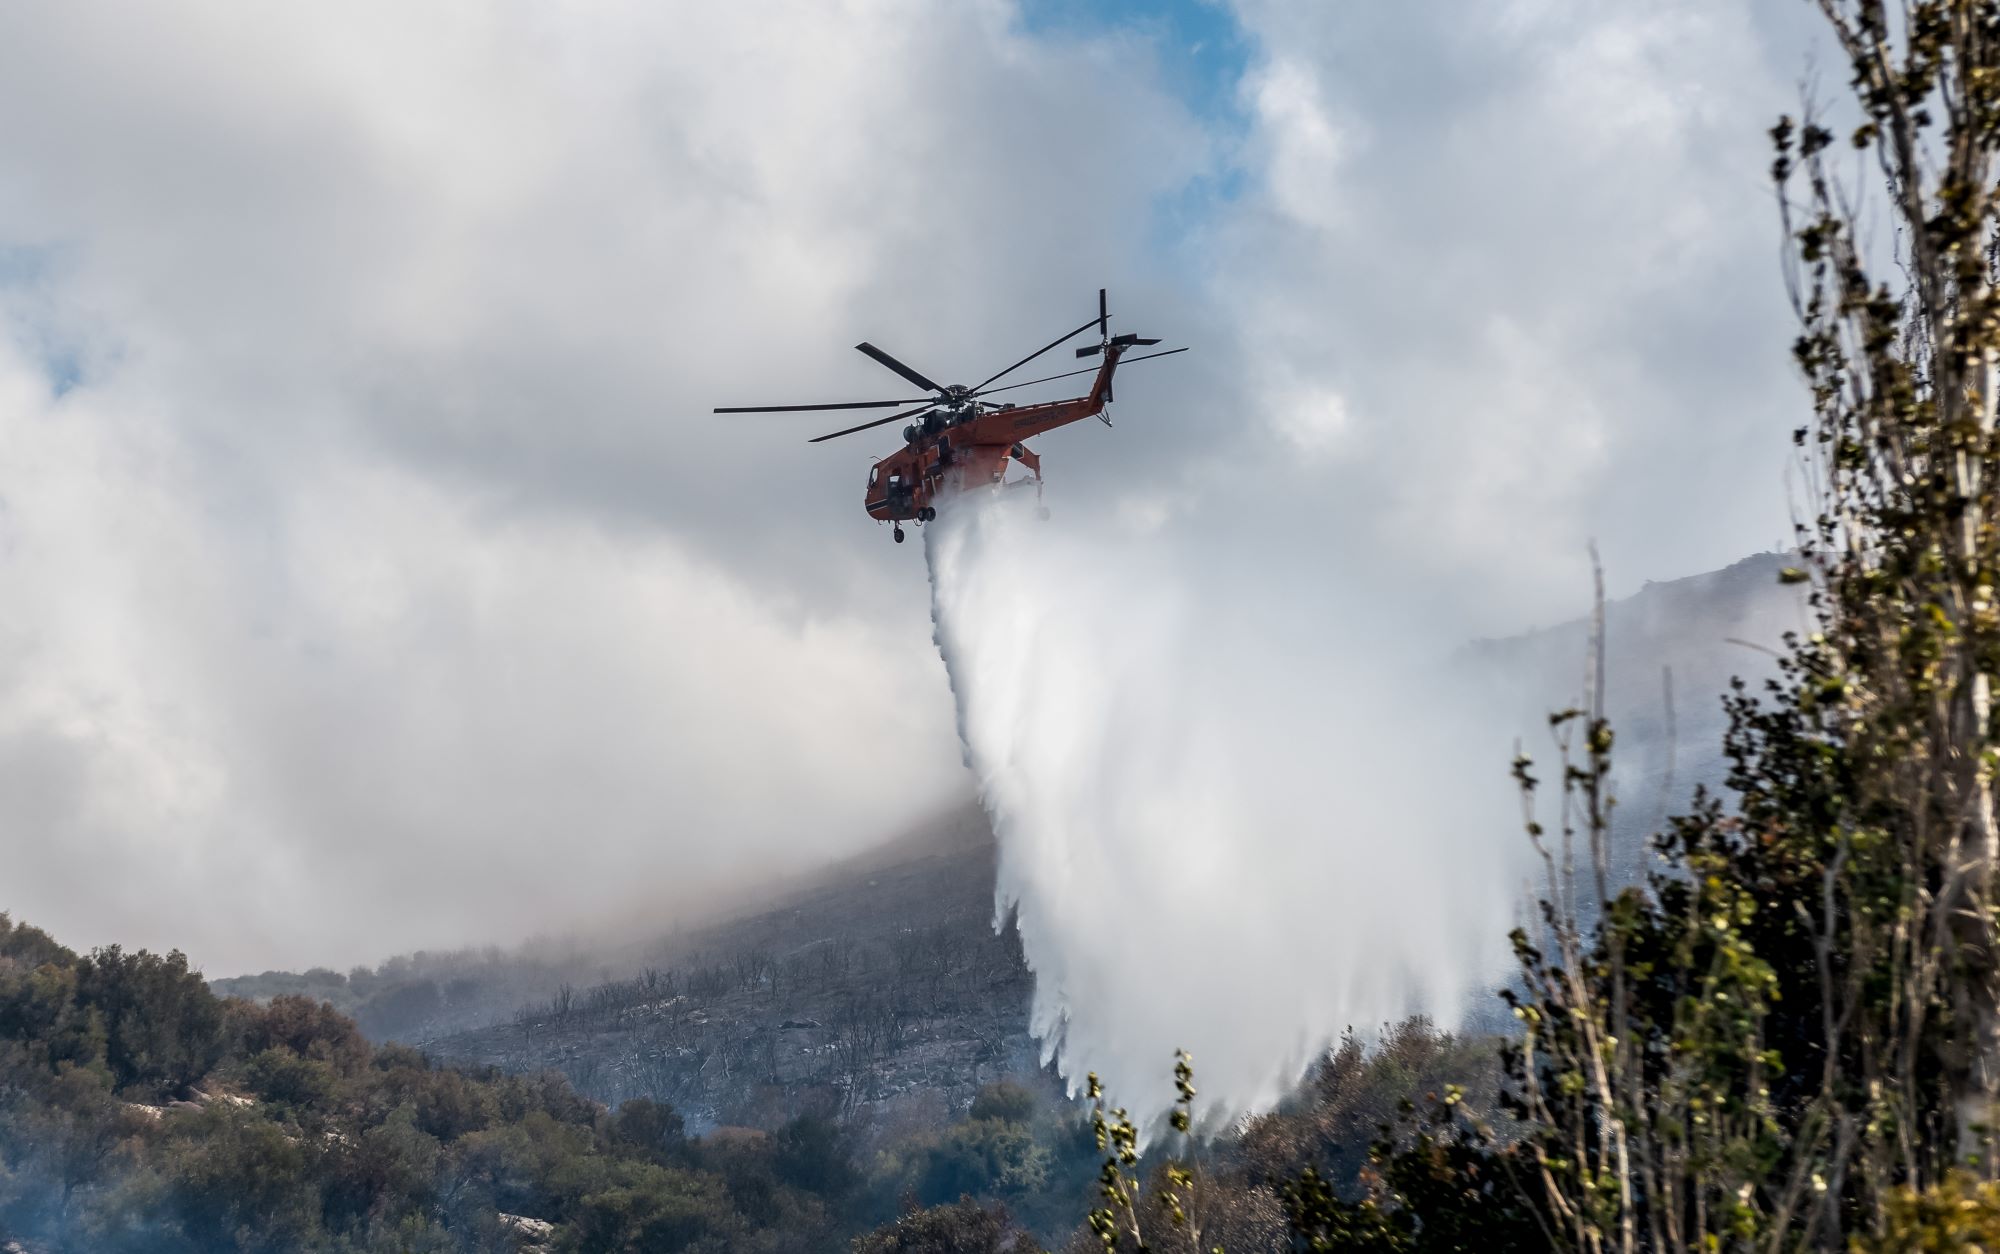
(390, 1171)
(71, 1140)
(654, 1129)
(308, 1028)
(962, 1227)
(656, 1209)
(30, 947)
(983, 1157)
(279, 1075)
(1005, 1101)
(812, 1153)
(39, 1009)
(163, 1027)
(237, 1181)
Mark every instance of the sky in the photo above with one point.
(378, 578)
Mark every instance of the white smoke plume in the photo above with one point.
(1238, 812)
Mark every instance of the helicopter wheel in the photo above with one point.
(899, 535)
(927, 514)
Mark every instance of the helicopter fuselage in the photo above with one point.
(955, 451)
(958, 441)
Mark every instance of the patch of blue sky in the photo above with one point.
(1203, 52)
(63, 368)
(26, 269)
(21, 263)
(1203, 56)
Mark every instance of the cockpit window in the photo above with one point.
(874, 473)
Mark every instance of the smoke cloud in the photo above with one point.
(378, 578)
(1238, 810)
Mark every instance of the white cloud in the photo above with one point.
(1531, 249)
(416, 707)
(385, 566)
(1306, 145)
(384, 580)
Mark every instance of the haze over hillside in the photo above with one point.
(882, 987)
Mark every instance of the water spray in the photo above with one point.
(1236, 840)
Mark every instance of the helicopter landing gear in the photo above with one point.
(899, 534)
(927, 514)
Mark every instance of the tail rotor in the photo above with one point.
(1107, 341)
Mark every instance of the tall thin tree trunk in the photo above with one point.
(1977, 970)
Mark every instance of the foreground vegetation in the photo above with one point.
(140, 1112)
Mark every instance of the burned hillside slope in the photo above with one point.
(1671, 651)
(883, 989)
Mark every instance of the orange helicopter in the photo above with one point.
(959, 441)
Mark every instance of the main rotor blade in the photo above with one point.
(1123, 361)
(792, 409)
(908, 413)
(1055, 343)
(898, 367)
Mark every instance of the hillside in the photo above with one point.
(1678, 641)
(886, 987)
(1670, 653)
(141, 1114)
(882, 989)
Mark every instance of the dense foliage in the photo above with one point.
(140, 1112)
